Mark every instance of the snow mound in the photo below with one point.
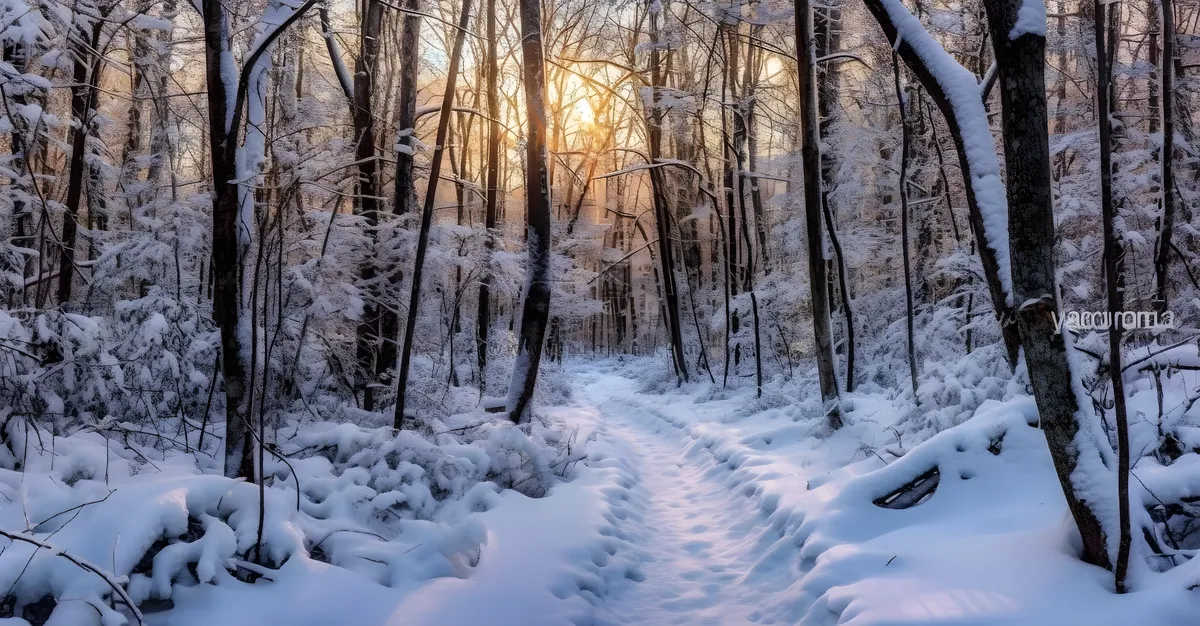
(101, 533)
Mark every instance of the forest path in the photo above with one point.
(698, 540)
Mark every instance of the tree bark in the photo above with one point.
(1114, 275)
(1021, 64)
(483, 318)
(536, 309)
(226, 307)
(811, 157)
(84, 94)
(1162, 257)
(435, 168)
(367, 199)
(905, 148)
(404, 197)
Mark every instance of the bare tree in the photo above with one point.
(811, 155)
(536, 310)
(1114, 275)
(1020, 57)
(84, 94)
(483, 319)
(1162, 257)
(435, 168)
(367, 198)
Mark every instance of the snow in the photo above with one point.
(683, 506)
(1031, 19)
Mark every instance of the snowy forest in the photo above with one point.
(599, 312)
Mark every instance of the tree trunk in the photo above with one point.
(905, 147)
(1114, 274)
(1021, 64)
(16, 54)
(404, 198)
(1162, 257)
(435, 168)
(483, 319)
(84, 93)
(226, 307)
(367, 199)
(536, 310)
(811, 157)
(662, 214)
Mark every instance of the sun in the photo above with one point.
(583, 113)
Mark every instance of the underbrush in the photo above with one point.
(118, 523)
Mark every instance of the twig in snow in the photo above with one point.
(117, 589)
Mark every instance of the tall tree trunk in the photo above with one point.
(905, 148)
(435, 168)
(811, 157)
(483, 319)
(827, 36)
(161, 147)
(367, 199)
(1162, 257)
(16, 54)
(404, 198)
(1021, 64)
(662, 211)
(536, 310)
(84, 94)
(1114, 275)
(226, 307)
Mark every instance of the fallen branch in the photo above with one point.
(120, 591)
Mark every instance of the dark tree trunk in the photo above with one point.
(84, 94)
(662, 212)
(435, 168)
(536, 310)
(410, 39)
(404, 198)
(811, 157)
(226, 307)
(1021, 63)
(1114, 275)
(367, 199)
(905, 148)
(483, 320)
(15, 53)
(827, 37)
(1162, 257)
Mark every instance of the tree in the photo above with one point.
(84, 93)
(1020, 46)
(811, 155)
(1166, 157)
(224, 131)
(368, 333)
(1114, 278)
(435, 168)
(956, 92)
(483, 319)
(536, 309)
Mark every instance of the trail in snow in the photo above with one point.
(698, 541)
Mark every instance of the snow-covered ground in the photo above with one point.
(688, 510)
